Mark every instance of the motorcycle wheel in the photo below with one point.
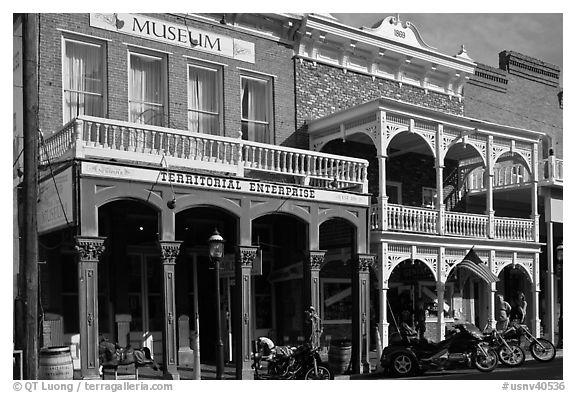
(513, 357)
(403, 365)
(484, 363)
(543, 350)
(324, 372)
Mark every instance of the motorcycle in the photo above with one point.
(540, 348)
(464, 346)
(284, 362)
(509, 353)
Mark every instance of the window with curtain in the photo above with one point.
(146, 89)
(83, 79)
(256, 109)
(204, 99)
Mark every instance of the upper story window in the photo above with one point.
(83, 79)
(147, 89)
(204, 99)
(256, 96)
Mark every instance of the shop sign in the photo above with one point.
(208, 182)
(175, 34)
(55, 202)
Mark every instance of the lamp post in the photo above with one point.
(560, 258)
(216, 252)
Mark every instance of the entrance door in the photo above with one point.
(145, 302)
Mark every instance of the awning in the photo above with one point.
(473, 263)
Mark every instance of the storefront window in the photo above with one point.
(336, 300)
(83, 79)
(430, 298)
(146, 89)
(204, 99)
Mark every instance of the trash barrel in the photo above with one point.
(55, 363)
(339, 355)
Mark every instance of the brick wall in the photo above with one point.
(526, 102)
(271, 58)
(323, 89)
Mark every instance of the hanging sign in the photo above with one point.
(175, 34)
(55, 202)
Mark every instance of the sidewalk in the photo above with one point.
(208, 371)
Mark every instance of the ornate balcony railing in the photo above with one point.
(422, 220)
(88, 136)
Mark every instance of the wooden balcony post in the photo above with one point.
(89, 250)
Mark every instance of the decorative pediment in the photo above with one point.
(401, 31)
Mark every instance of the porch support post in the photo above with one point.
(382, 270)
(440, 281)
(169, 251)
(89, 250)
(492, 294)
(550, 283)
(361, 313)
(382, 221)
(440, 181)
(488, 181)
(536, 295)
(311, 284)
(534, 194)
(245, 256)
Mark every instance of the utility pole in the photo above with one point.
(30, 265)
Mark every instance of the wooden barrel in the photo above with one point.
(339, 355)
(55, 363)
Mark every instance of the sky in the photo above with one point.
(484, 36)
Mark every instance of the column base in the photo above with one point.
(246, 373)
(171, 374)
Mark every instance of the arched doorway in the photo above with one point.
(195, 286)
(130, 293)
(337, 237)
(514, 280)
(277, 300)
(409, 282)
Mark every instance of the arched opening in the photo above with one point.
(410, 171)
(514, 280)
(129, 291)
(277, 301)
(463, 180)
(338, 238)
(512, 186)
(195, 281)
(410, 282)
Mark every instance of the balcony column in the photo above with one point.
(382, 156)
(536, 296)
(169, 251)
(492, 293)
(489, 182)
(534, 188)
(382, 276)
(361, 313)
(440, 180)
(89, 250)
(311, 283)
(550, 283)
(245, 256)
(440, 322)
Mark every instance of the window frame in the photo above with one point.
(143, 52)
(270, 102)
(84, 40)
(219, 88)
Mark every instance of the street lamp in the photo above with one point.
(560, 258)
(216, 252)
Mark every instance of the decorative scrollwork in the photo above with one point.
(316, 259)
(169, 251)
(246, 255)
(89, 248)
(365, 261)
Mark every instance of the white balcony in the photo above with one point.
(91, 137)
(430, 221)
(552, 171)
